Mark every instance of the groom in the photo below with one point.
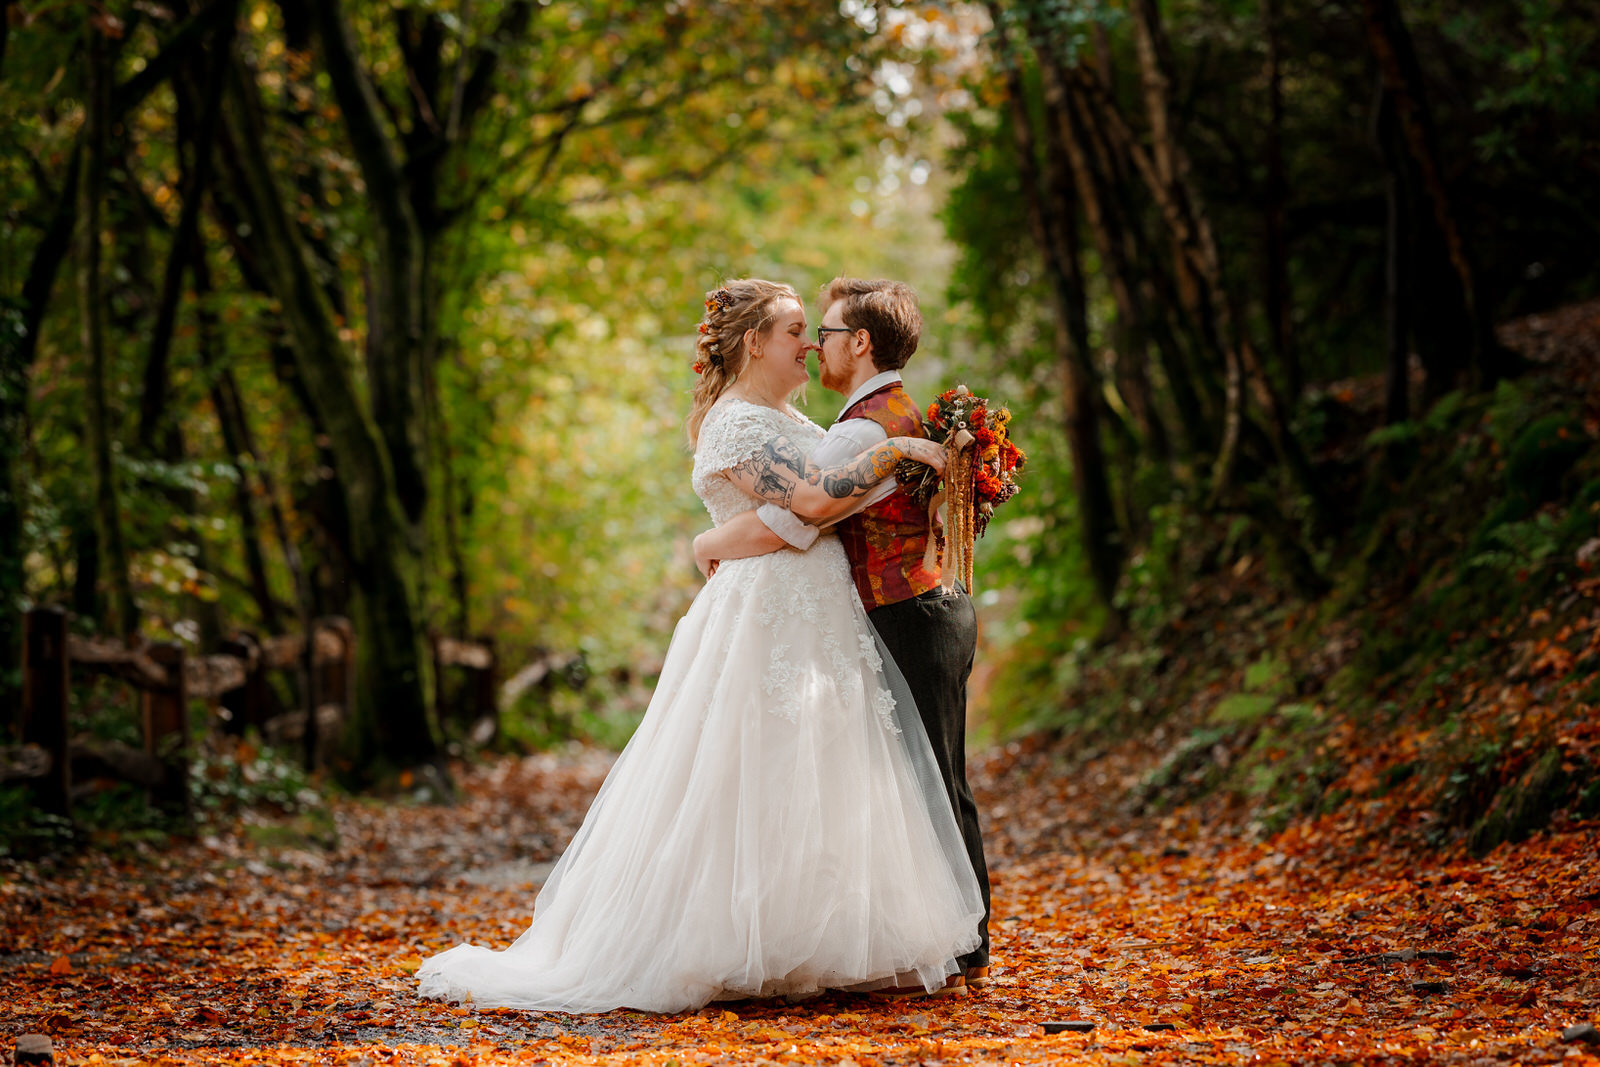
(869, 330)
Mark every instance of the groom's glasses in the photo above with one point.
(824, 331)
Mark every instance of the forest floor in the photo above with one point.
(1283, 858)
(1178, 942)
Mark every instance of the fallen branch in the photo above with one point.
(1404, 955)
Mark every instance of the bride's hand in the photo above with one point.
(703, 562)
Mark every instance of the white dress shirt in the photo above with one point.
(845, 439)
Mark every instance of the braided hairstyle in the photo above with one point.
(731, 311)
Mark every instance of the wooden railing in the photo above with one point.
(475, 704)
(235, 686)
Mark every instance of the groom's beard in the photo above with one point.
(831, 380)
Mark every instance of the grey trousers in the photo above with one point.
(933, 639)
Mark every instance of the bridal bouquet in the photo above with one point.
(981, 466)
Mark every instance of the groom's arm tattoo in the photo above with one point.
(774, 473)
(854, 479)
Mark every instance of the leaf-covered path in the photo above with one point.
(1177, 944)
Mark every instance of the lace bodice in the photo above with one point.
(798, 600)
(733, 431)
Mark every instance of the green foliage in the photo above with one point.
(1243, 709)
(1269, 676)
(1526, 804)
(123, 812)
(984, 217)
(1540, 456)
(25, 830)
(1539, 450)
(600, 712)
(1189, 769)
(1151, 588)
(227, 779)
(1518, 548)
(1439, 418)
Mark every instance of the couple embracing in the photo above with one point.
(792, 814)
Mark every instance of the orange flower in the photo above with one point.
(985, 484)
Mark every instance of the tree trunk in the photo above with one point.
(1278, 308)
(1060, 217)
(396, 294)
(5, 29)
(442, 123)
(1398, 242)
(1402, 77)
(389, 724)
(1146, 285)
(1099, 212)
(196, 114)
(197, 126)
(1170, 162)
(455, 504)
(235, 441)
(13, 578)
(17, 349)
(1220, 312)
(108, 519)
(1096, 509)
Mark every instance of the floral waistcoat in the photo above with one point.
(886, 540)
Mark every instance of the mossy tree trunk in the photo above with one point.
(389, 723)
(124, 616)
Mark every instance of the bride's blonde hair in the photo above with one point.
(732, 310)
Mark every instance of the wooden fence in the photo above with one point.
(234, 684)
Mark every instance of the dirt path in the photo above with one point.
(1314, 946)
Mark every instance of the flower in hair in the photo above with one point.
(699, 366)
(722, 298)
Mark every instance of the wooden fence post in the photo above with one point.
(331, 683)
(486, 694)
(165, 711)
(248, 705)
(44, 703)
(441, 689)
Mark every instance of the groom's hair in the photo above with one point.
(886, 310)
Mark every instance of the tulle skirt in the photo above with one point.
(776, 825)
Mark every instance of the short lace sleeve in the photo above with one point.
(734, 431)
(731, 434)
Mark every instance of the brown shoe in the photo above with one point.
(977, 977)
(954, 986)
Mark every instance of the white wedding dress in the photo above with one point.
(776, 825)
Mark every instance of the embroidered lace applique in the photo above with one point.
(869, 653)
(883, 707)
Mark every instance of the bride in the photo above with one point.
(776, 825)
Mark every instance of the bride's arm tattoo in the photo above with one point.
(774, 471)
